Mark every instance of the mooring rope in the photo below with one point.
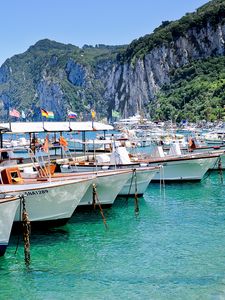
(162, 182)
(131, 183)
(220, 170)
(135, 192)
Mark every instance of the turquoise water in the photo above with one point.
(174, 249)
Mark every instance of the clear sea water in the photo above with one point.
(173, 249)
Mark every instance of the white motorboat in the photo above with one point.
(143, 177)
(111, 183)
(173, 167)
(47, 199)
(108, 185)
(178, 167)
(215, 138)
(89, 145)
(8, 207)
(139, 177)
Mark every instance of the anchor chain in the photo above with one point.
(26, 231)
(97, 202)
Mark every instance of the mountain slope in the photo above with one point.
(177, 71)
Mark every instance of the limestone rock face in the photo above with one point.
(60, 82)
(76, 73)
(51, 96)
(4, 74)
(132, 87)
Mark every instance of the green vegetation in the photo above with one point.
(196, 92)
(47, 59)
(212, 12)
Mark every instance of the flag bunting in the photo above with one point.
(93, 114)
(14, 113)
(72, 115)
(63, 142)
(47, 114)
(45, 146)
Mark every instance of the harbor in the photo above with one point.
(172, 249)
(112, 150)
(110, 219)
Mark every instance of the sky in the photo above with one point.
(79, 22)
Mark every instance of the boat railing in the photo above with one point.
(71, 160)
(39, 163)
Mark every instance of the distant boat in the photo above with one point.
(181, 167)
(215, 138)
(18, 146)
(173, 167)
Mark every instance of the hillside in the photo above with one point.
(56, 77)
(177, 71)
(195, 92)
(211, 13)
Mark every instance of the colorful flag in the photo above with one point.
(44, 113)
(45, 146)
(23, 115)
(72, 115)
(63, 142)
(47, 114)
(93, 114)
(115, 114)
(50, 115)
(14, 113)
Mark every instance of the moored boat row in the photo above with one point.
(54, 196)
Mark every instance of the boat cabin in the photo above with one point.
(10, 175)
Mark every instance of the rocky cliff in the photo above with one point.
(61, 77)
(133, 86)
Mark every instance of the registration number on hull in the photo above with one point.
(32, 193)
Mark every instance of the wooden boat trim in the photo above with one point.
(168, 159)
(108, 172)
(66, 181)
(9, 199)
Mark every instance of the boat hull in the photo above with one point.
(108, 187)
(50, 201)
(7, 214)
(183, 170)
(143, 178)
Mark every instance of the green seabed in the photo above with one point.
(174, 249)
